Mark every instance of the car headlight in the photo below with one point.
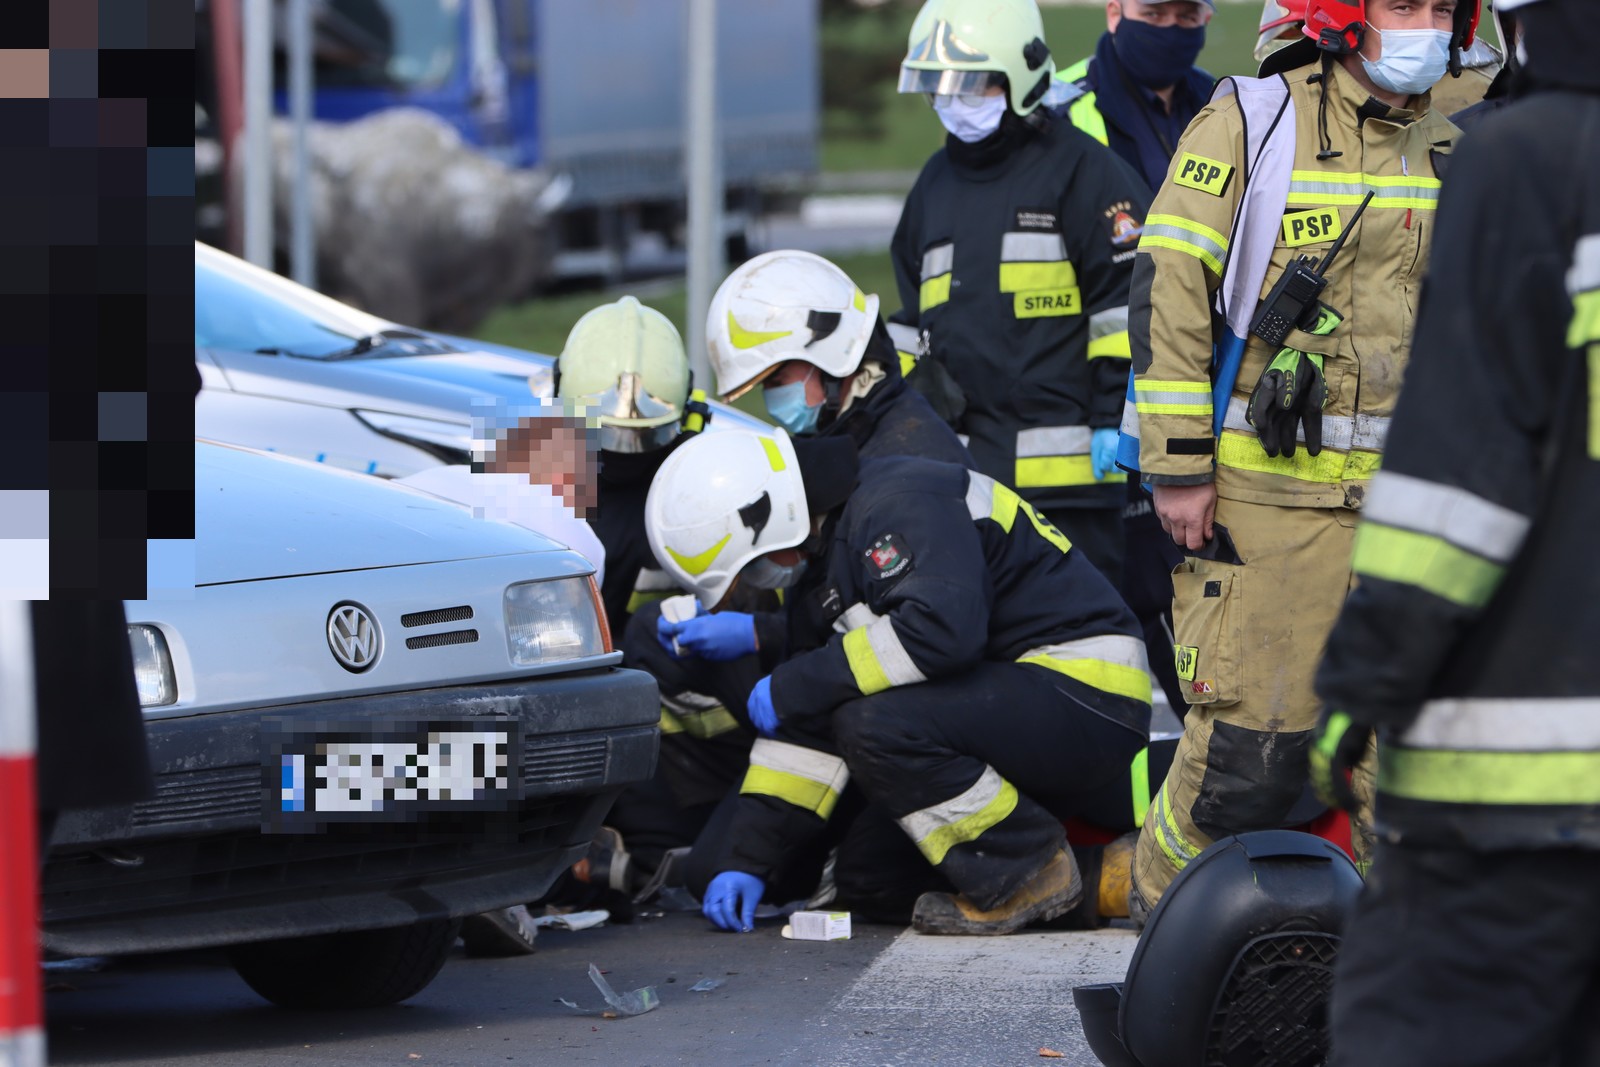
(152, 667)
(553, 621)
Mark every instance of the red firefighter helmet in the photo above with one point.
(1338, 26)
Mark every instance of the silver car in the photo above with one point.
(374, 716)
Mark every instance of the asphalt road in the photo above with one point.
(887, 996)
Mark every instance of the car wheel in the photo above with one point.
(363, 969)
(508, 932)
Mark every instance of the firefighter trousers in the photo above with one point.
(1248, 641)
(980, 768)
(1472, 959)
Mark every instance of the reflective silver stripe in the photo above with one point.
(1339, 432)
(1053, 441)
(938, 260)
(1514, 724)
(892, 655)
(980, 495)
(1426, 189)
(855, 616)
(802, 762)
(1585, 271)
(1464, 519)
(1200, 402)
(1028, 248)
(1107, 648)
(906, 338)
(921, 824)
(1107, 322)
(1187, 236)
(1130, 418)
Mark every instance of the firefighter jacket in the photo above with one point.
(1470, 640)
(929, 570)
(1014, 258)
(1374, 284)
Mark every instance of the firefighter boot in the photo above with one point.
(1056, 888)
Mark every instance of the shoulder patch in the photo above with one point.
(888, 557)
(1125, 228)
(1207, 175)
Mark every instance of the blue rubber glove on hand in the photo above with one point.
(719, 637)
(1103, 452)
(731, 900)
(763, 716)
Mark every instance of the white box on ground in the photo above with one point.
(678, 609)
(818, 926)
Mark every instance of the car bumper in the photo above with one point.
(191, 867)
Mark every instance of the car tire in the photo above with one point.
(362, 969)
(508, 932)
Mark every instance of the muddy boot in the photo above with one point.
(1107, 877)
(1055, 889)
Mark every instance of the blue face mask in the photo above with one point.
(1157, 56)
(788, 408)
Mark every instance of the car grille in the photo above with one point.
(452, 637)
(437, 616)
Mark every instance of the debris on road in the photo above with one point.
(705, 985)
(634, 1002)
(1052, 1054)
(818, 926)
(574, 920)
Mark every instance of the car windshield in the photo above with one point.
(386, 42)
(232, 312)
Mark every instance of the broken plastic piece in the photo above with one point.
(634, 1002)
(575, 920)
(705, 985)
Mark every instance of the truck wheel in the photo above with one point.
(509, 932)
(363, 969)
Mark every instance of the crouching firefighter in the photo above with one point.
(952, 656)
(1259, 464)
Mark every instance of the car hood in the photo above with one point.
(262, 516)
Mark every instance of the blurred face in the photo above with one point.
(556, 451)
(1185, 13)
(1406, 15)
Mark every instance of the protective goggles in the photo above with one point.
(971, 86)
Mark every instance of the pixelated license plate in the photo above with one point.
(385, 772)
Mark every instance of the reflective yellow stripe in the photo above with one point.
(774, 456)
(1168, 835)
(1085, 115)
(1187, 236)
(694, 422)
(1112, 344)
(935, 291)
(701, 724)
(808, 779)
(1317, 188)
(1426, 562)
(1453, 777)
(1585, 325)
(743, 338)
(1243, 452)
(670, 723)
(939, 828)
(1153, 397)
(864, 666)
(1021, 277)
(1118, 679)
(908, 362)
(1139, 773)
(1594, 401)
(1040, 472)
(698, 563)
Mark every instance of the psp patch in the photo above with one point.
(889, 557)
(1207, 175)
(1311, 226)
(1186, 659)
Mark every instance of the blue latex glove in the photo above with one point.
(731, 900)
(1103, 452)
(763, 716)
(719, 637)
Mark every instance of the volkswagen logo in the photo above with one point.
(353, 636)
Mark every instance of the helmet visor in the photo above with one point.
(631, 419)
(948, 82)
(636, 439)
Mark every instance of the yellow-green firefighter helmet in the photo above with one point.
(960, 47)
(626, 363)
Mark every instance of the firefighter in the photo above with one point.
(1267, 510)
(1140, 89)
(1467, 83)
(1465, 648)
(962, 663)
(1012, 257)
(627, 363)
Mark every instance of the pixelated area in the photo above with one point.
(319, 774)
(553, 443)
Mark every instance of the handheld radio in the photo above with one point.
(1293, 300)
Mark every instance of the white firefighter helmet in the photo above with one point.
(626, 363)
(958, 47)
(720, 501)
(786, 305)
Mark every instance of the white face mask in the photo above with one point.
(1411, 61)
(970, 122)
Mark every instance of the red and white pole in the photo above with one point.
(21, 993)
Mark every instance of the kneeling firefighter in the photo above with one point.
(953, 656)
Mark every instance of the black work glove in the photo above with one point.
(1339, 745)
(1290, 393)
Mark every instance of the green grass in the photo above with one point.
(908, 133)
